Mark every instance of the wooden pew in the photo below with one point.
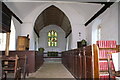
(35, 59)
(85, 62)
(20, 71)
(81, 62)
(12, 65)
(95, 52)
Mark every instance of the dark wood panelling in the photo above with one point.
(35, 59)
(80, 62)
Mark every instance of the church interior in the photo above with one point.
(60, 39)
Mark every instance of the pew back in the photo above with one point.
(85, 62)
(82, 62)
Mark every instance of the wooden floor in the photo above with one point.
(52, 70)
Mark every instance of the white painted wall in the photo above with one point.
(75, 18)
(95, 26)
(119, 30)
(17, 26)
(75, 34)
(43, 39)
(109, 24)
(68, 44)
(89, 34)
(27, 28)
(108, 19)
(119, 23)
(77, 13)
(36, 42)
(12, 45)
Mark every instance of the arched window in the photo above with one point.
(99, 32)
(2, 41)
(52, 38)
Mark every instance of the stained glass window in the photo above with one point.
(52, 38)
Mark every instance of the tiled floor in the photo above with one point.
(52, 70)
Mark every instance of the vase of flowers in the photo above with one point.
(41, 49)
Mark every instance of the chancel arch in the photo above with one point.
(52, 15)
(76, 20)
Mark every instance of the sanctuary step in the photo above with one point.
(52, 60)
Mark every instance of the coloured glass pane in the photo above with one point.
(52, 38)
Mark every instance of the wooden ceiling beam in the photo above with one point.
(10, 12)
(98, 2)
(107, 5)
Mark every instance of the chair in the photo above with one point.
(2, 73)
(22, 70)
(8, 66)
(24, 67)
(116, 63)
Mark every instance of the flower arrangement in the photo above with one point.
(41, 49)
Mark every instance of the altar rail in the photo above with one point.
(82, 62)
(35, 59)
